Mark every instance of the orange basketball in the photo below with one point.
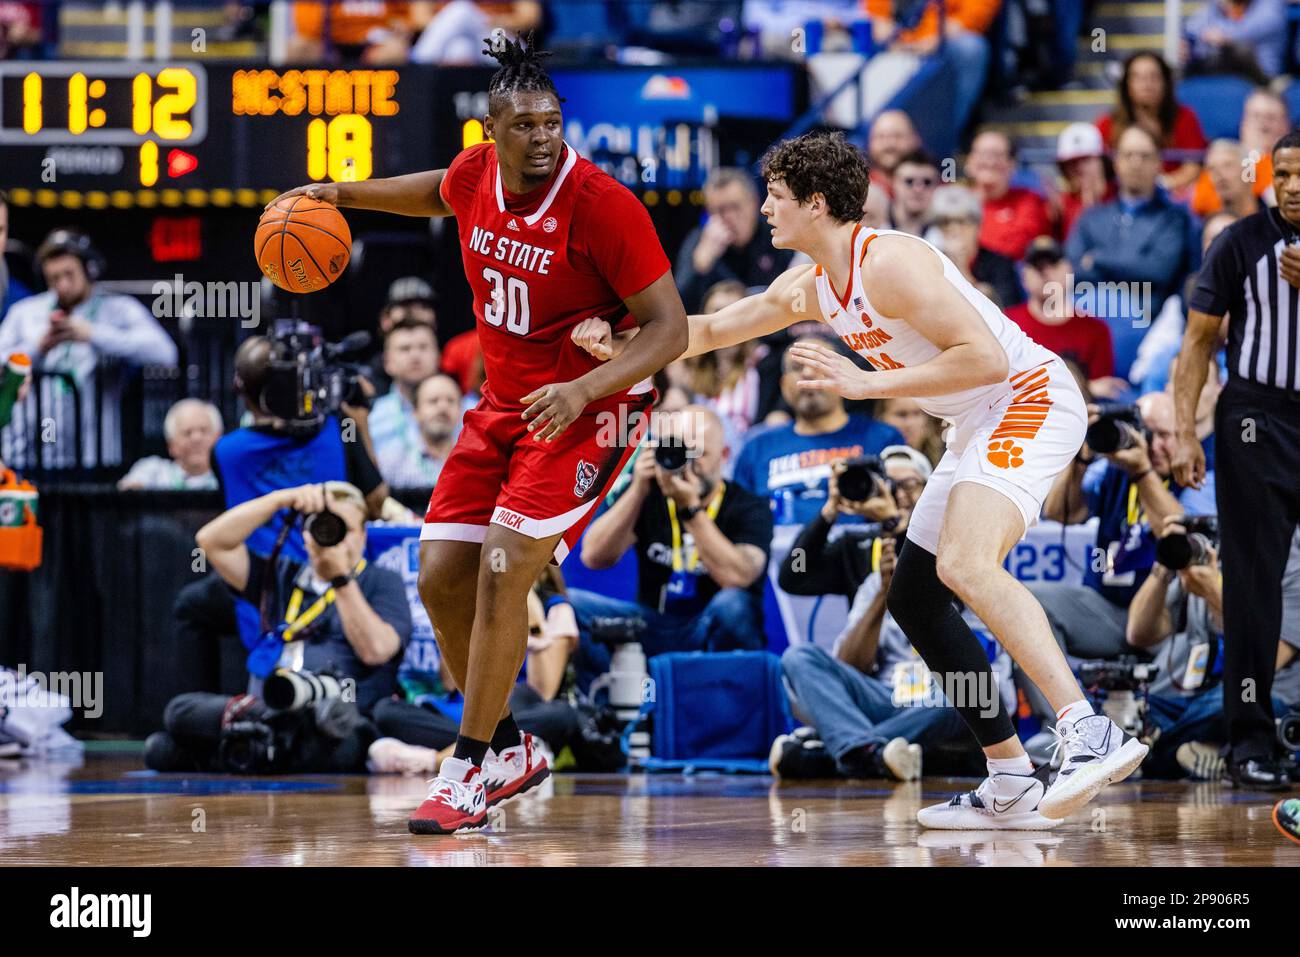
(302, 244)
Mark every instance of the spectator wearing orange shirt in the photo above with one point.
(964, 44)
(1013, 215)
(372, 31)
(1265, 119)
(1146, 97)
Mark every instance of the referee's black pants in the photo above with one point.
(1257, 476)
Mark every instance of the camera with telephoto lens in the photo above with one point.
(858, 481)
(286, 690)
(671, 454)
(307, 378)
(1118, 427)
(1121, 674)
(326, 528)
(1179, 550)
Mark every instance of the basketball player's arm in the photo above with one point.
(1200, 339)
(415, 194)
(907, 282)
(783, 303)
(661, 338)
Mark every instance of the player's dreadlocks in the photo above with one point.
(521, 69)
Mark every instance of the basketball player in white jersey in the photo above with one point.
(1016, 420)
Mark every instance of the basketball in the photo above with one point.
(302, 244)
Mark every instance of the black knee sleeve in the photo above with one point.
(923, 607)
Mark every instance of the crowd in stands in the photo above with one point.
(1094, 263)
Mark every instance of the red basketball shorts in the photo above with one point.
(497, 474)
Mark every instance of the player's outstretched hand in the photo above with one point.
(321, 192)
(553, 409)
(831, 371)
(595, 336)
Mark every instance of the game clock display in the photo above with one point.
(105, 127)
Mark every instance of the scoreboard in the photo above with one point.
(102, 134)
(116, 128)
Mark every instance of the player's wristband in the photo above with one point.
(339, 581)
(688, 513)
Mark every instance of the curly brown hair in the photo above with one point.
(823, 163)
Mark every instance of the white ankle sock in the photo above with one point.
(1073, 712)
(1020, 765)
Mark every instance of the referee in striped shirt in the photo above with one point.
(1252, 275)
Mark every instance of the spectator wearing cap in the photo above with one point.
(957, 215)
(1247, 37)
(410, 357)
(915, 180)
(1142, 241)
(1080, 156)
(437, 415)
(1265, 119)
(734, 242)
(1013, 215)
(191, 428)
(892, 137)
(1050, 318)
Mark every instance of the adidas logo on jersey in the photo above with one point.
(513, 224)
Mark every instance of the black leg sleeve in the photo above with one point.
(923, 607)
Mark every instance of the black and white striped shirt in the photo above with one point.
(1241, 278)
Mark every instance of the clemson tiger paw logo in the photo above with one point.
(1006, 454)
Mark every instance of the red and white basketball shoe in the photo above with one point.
(457, 801)
(515, 770)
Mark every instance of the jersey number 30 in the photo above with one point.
(507, 302)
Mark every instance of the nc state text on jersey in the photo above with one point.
(512, 252)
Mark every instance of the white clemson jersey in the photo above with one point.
(893, 344)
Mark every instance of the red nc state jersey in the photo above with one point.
(542, 262)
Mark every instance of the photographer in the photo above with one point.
(702, 545)
(871, 701)
(277, 450)
(1128, 487)
(333, 615)
(1178, 615)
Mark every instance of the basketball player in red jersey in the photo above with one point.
(548, 240)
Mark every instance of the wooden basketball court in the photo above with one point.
(108, 811)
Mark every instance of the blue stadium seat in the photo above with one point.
(579, 23)
(1218, 101)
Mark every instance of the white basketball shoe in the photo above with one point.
(1002, 802)
(1095, 752)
